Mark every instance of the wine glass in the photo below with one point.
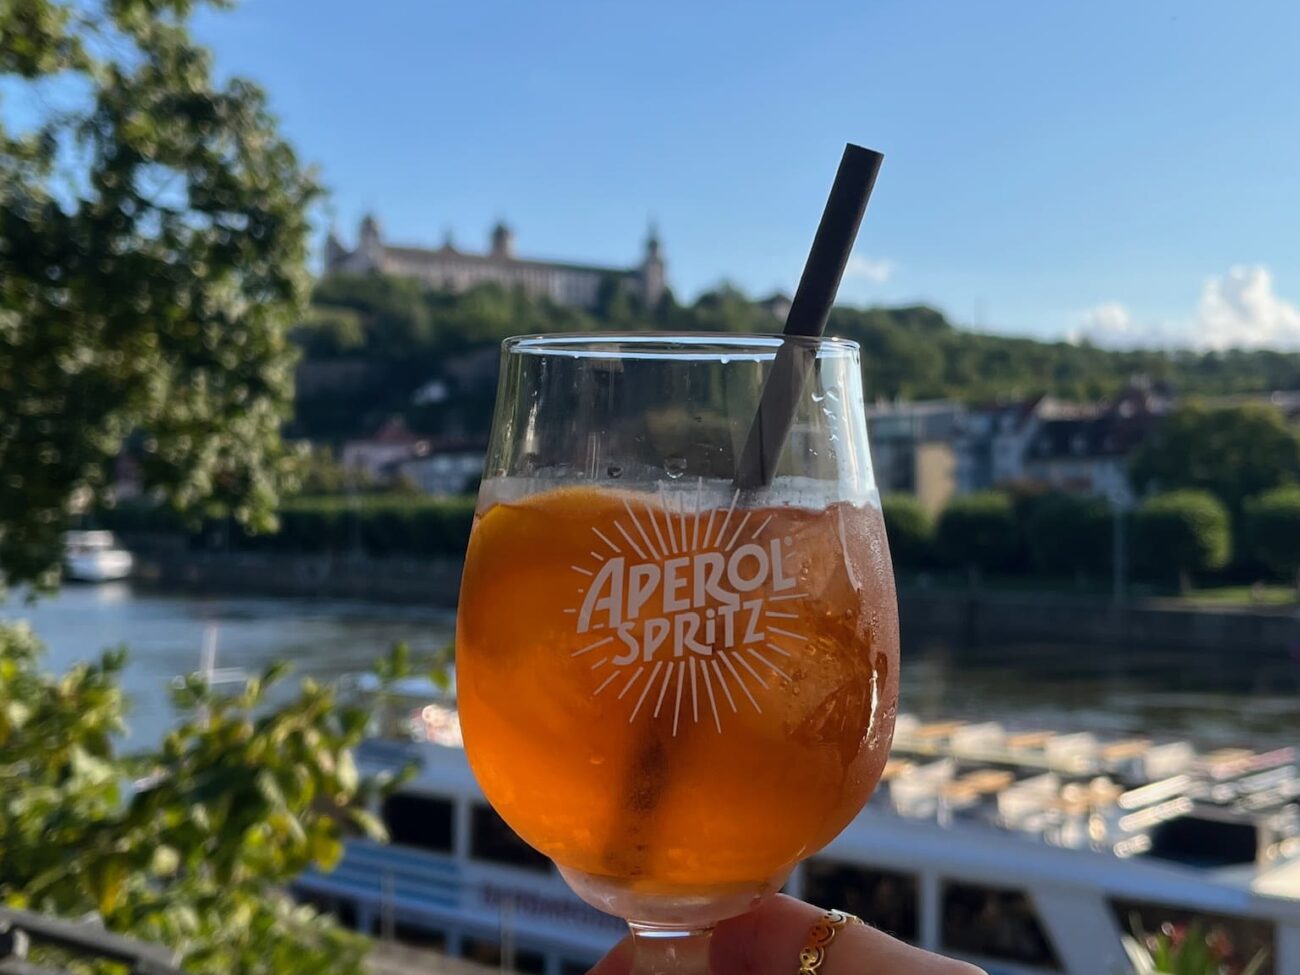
(676, 679)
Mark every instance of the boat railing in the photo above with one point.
(1154, 792)
(1149, 816)
(390, 754)
(384, 873)
(1225, 792)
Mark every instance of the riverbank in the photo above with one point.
(983, 617)
(422, 582)
(974, 617)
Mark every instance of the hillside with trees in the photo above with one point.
(370, 344)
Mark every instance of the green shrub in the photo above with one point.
(979, 531)
(140, 516)
(381, 525)
(1273, 530)
(1189, 949)
(378, 525)
(1180, 533)
(241, 796)
(911, 531)
(1070, 535)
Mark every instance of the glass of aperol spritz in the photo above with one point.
(674, 683)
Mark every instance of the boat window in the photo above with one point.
(1204, 842)
(489, 953)
(420, 936)
(532, 962)
(492, 840)
(994, 923)
(883, 898)
(346, 912)
(480, 950)
(426, 822)
(343, 909)
(1242, 938)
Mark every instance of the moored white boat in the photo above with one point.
(1025, 852)
(95, 556)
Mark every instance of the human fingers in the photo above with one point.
(617, 962)
(767, 941)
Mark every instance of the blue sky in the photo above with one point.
(1128, 171)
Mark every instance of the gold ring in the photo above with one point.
(820, 937)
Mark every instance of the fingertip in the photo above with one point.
(767, 941)
(751, 942)
(617, 962)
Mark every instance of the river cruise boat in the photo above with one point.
(1026, 851)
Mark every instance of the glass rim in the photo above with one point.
(758, 346)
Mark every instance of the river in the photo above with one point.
(1209, 698)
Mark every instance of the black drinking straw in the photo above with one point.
(808, 312)
(648, 776)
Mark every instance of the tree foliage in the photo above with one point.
(1182, 532)
(328, 332)
(1190, 949)
(1070, 535)
(1273, 530)
(910, 530)
(1232, 453)
(411, 334)
(192, 844)
(380, 525)
(979, 531)
(153, 240)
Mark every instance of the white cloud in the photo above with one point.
(1237, 310)
(1106, 324)
(1241, 309)
(877, 271)
(1112, 326)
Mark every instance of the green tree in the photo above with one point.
(394, 319)
(1070, 535)
(1180, 533)
(320, 472)
(725, 309)
(153, 240)
(910, 530)
(979, 531)
(1273, 530)
(910, 351)
(897, 359)
(1232, 453)
(329, 332)
(616, 306)
(197, 854)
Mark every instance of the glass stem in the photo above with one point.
(670, 951)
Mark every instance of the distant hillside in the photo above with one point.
(371, 343)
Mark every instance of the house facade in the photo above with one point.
(939, 448)
(914, 449)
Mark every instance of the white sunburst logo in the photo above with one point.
(695, 604)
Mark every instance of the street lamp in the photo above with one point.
(1121, 503)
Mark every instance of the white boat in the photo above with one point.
(1025, 852)
(95, 556)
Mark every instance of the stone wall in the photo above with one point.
(985, 618)
(968, 618)
(432, 583)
